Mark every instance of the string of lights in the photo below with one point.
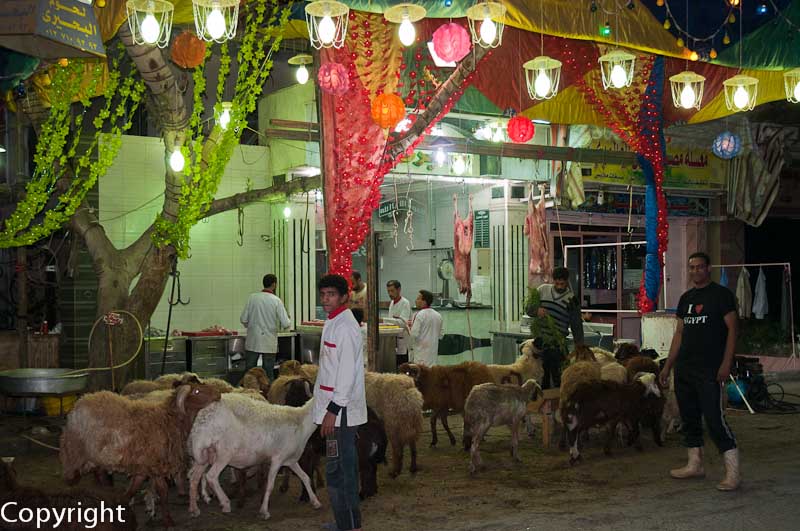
(672, 20)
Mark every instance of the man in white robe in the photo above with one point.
(426, 331)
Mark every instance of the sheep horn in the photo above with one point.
(180, 399)
(307, 385)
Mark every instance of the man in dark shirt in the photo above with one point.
(702, 354)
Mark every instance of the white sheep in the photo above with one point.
(241, 433)
(528, 366)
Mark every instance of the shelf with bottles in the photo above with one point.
(600, 268)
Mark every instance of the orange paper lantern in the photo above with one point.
(187, 50)
(388, 110)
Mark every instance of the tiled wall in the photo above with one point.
(220, 274)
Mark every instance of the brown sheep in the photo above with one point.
(256, 378)
(138, 438)
(626, 351)
(293, 367)
(581, 353)
(446, 388)
(639, 364)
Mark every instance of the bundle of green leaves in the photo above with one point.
(544, 327)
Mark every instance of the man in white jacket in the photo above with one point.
(340, 403)
(426, 330)
(399, 314)
(263, 315)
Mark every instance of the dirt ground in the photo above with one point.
(629, 490)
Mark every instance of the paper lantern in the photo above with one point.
(187, 50)
(726, 145)
(388, 110)
(451, 42)
(520, 129)
(332, 78)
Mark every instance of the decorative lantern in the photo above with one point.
(327, 23)
(616, 68)
(542, 75)
(520, 129)
(451, 42)
(740, 93)
(301, 60)
(486, 23)
(791, 82)
(405, 15)
(332, 78)
(726, 145)
(150, 21)
(687, 89)
(187, 51)
(387, 110)
(216, 20)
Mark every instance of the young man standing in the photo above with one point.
(426, 330)
(702, 354)
(263, 315)
(358, 297)
(340, 404)
(399, 314)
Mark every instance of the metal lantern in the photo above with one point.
(300, 61)
(542, 75)
(486, 23)
(687, 89)
(327, 23)
(150, 21)
(791, 82)
(726, 145)
(216, 20)
(405, 15)
(616, 68)
(740, 93)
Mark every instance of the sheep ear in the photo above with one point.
(180, 400)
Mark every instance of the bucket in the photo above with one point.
(55, 406)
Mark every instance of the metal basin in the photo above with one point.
(34, 382)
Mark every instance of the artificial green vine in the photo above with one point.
(543, 327)
(17, 230)
(211, 155)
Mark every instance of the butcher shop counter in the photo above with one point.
(310, 334)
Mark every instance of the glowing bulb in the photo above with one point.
(488, 30)
(150, 29)
(287, 212)
(440, 157)
(224, 119)
(687, 97)
(542, 84)
(618, 76)
(176, 161)
(326, 30)
(459, 165)
(215, 24)
(302, 75)
(497, 136)
(797, 91)
(407, 32)
(741, 98)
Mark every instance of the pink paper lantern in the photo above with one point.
(451, 42)
(332, 78)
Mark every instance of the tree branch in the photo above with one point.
(281, 190)
(88, 227)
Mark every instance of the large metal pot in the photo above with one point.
(35, 382)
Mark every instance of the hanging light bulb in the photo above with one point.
(687, 97)
(618, 76)
(302, 75)
(542, 84)
(176, 161)
(488, 30)
(215, 24)
(407, 32)
(497, 136)
(459, 165)
(326, 30)
(797, 91)
(741, 98)
(150, 29)
(224, 118)
(287, 212)
(441, 158)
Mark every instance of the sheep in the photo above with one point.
(528, 366)
(256, 378)
(639, 364)
(242, 433)
(608, 403)
(168, 380)
(141, 387)
(602, 356)
(398, 403)
(614, 372)
(626, 351)
(138, 438)
(492, 404)
(14, 498)
(446, 387)
(293, 367)
(581, 353)
(277, 391)
(575, 374)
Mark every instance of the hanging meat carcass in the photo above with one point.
(540, 268)
(462, 243)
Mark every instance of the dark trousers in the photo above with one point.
(341, 473)
(267, 362)
(551, 363)
(700, 395)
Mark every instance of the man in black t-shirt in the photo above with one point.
(702, 353)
